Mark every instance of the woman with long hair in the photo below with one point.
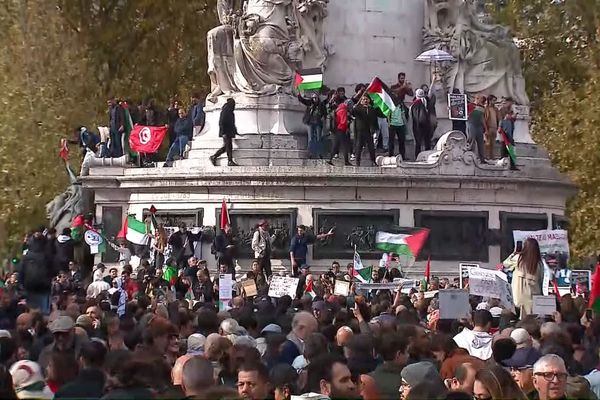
(496, 383)
(527, 277)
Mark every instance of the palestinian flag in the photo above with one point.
(595, 294)
(310, 289)
(381, 97)
(309, 79)
(77, 228)
(359, 271)
(134, 231)
(402, 244)
(509, 146)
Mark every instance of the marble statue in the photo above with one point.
(64, 207)
(487, 59)
(260, 43)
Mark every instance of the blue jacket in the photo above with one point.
(183, 127)
(198, 114)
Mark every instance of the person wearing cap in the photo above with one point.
(261, 342)
(521, 368)
(262, 241)
(195, 344)
(65, 340)
(522, 338)
(418, 373)
(28, 381)
(299, 246)
(182, 244)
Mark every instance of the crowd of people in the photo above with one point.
(160, 330)
(352, 123)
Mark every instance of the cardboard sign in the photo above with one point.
(457, 106)
(506, 297)
(454, 304)
(463, 271)
(249, 288)
(342, 288)
(283, 285)
(544, 305)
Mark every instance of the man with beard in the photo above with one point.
(330, 376)
(65, 340)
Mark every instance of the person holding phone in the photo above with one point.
(299, 247)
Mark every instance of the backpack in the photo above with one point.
(342, 122)
(35, 274)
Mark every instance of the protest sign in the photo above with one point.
(282, 286)
(506, 297)
(454, 304)
(463, 271)
(581, 280)
(457, 106)
(550, 241)
(483, 282)
(225, 291)
(249, 287)
(342, 288)
(544, 305)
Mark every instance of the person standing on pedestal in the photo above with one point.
(476, 126)
(491, 119)
(421, 122)
(398, 128)
(299, 247)
(115, 126)
(261, 245)
(313, 118)
(227, 130)
(365, 123)
(341, 132)
(224, 247)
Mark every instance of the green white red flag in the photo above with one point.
(509, 146)
(309, 79)
(381, 97)
(402, 244)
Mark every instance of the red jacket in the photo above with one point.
(342, 122)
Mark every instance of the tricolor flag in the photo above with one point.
(309, 79)
(595, 293)
(170, 275)
(401, 243)
(134, 231)
(77, 228)
(509, 147)
(381, 97)
(360, 272)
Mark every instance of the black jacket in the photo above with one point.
(89, 384)
(37, 269)
(314, 113)
(366, 119)
(64, 252)
(227, 121)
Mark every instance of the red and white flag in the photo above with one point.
(146, 139)
(224, 215)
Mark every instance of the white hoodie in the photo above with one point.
(478, 344)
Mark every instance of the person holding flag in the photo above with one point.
(506, 131)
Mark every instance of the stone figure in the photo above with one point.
(261, 42)
(488, 61)
(61, 211)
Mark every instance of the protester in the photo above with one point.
(491, 121)
(116, 128)
(314, 119)
(421, 122)
(197, 114)
(550, 378)
(495, 383)
(227, 131)
(476, 127)
(528, 276)
(402, 88)
(262, 242)
(398, 130)
(478, 342)
(299, 247)
(183, 134)
(341, 132)
(365, 125)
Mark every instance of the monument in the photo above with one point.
(470, 207)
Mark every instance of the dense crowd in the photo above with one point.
(161, 331)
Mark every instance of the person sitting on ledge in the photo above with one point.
(183, 133)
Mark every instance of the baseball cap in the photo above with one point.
(521, 338)
(230, 327)
(26, 373)
(496, 312)
(420, 372)
(271, 328)
(5, 334)
(85, 321)
(523, 358)
(195, 344)
(62, 324)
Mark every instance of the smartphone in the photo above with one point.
(519, 246)
(588, 315)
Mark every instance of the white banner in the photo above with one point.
(489, 283)
(225, 287)
(283, 285)
(550, 241)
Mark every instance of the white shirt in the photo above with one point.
(95, 288)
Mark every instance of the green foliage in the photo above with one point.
(559, 43)
(60, 60)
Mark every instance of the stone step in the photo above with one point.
(256, 153)
(252, 142)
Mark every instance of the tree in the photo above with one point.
(60, 61)
(559, 43)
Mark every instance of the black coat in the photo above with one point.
(421, 120)
(37, 262)
(89, 384)
(64, 252)
(227, 121)
(366, 119)
(315, 112)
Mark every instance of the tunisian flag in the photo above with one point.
(146, 139)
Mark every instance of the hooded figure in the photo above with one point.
(478, 344)
(64, 250)
(227, 130)
(421, 122)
